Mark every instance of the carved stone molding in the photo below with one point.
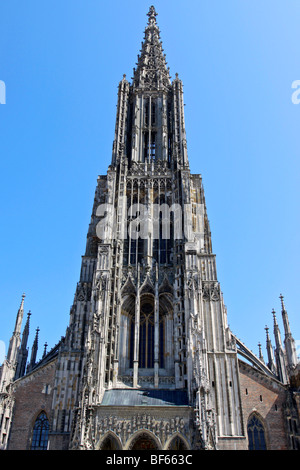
(83, 292)
(211, 290)
(161, 428)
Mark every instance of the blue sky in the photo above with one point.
(61, 62)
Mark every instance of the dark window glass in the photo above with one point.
(256, 434)
(152, 146)
(152, 113)
(146, 359)
(146, 146)
(40, 433)
(146, 113)
(146, 340)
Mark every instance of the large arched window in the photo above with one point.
(163, 230)
(40, 432)
(146, 350)
(256, 434)
(146, 338)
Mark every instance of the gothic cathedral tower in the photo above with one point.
(148, 360)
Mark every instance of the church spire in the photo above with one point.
(45, 349)
(15, 339)
(7, 372)
(23, 351)
(289, 342)
(152, 72)
(271, 363)
(260, 354)
(279, 354)
(34, 351)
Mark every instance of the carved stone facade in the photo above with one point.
(148, 360)
(126, 427)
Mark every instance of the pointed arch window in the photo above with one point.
(146, 338)
(146, 121)
(146, 350)
(163, 241)
(153, 146)
(153, 113)
(146, 146)
(40, 432)
(256, 434)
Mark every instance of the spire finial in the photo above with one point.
(260, 352)
(267, 333)
(22, 301)
(152, 15)
(45, 349)
(282, 302)
(36, 335)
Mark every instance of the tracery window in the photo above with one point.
(153, 146)
(146, 350)
(162, 244)
(40, 432)
(146, 338)
(149, 146)
(256, 434)
(146, 113)
(153, 113)
(146, 146)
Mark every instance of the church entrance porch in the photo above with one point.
(145, 420)
(144, 441)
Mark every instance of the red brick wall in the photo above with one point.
(266, 397)
(33, 394)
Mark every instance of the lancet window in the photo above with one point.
(256, 434)
(40, 432)
(146, 338)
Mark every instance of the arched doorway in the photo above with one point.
(110, 443)
(143, 441)
(177, 444)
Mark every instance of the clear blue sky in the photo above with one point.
(62, 61)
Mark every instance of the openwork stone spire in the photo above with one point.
(152, 72)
